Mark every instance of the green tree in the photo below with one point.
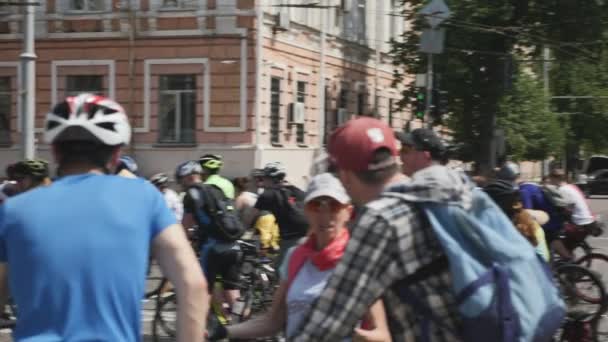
(487, 41)
(532, 131)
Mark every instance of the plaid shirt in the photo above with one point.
(390, 240)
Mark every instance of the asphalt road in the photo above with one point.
(599, 205)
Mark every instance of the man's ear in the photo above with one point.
(55, 152)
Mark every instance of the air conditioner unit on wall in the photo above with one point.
(297, 113)
(283, 21)
(341, 116)
(346, 5)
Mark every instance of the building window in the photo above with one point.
(343, 100)
(177, 109)
(179, 3)
(390, 112)
(6, 106)
(76, 84)
(275, 109)
(377, 106)
(87, 5)
(327, 126)
(361, 104)
(360, 21)
(301, 98)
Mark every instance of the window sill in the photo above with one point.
(77, 12)
(176, 9)
(303, 145)
(174, 144)
(276, 145)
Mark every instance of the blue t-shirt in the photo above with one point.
(532, 197)
(77, 253)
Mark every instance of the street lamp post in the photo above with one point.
(28, 84)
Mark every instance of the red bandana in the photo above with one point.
(324, 260)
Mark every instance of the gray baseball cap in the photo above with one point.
(328, 185)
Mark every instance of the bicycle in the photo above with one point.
(259, 281)
(257, 285)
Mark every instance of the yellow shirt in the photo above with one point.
(268, 229)
(541, 248)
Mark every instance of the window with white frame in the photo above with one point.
(275, 110)
(361, 97)
(301, 98)
(177, 109)
(77, 84)
(87, 5)
(179, 3)
(6, 108)
(360, 13)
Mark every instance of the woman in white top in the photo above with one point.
(307, 268)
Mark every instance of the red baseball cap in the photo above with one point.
(352, 145)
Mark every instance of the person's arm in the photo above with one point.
(268, 324)
(179, 264)
(368, 267)
(188, 220)
(379, 331)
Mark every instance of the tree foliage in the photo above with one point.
(487, 43)
(533, 131)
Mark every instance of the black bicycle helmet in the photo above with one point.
(36, 168)
(500, 190)
(275, 170)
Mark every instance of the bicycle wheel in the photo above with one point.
(154, 280)
(582, 290)
(600, 328)
(165, 317)
(595, 262)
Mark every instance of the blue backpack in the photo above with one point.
(503, 291)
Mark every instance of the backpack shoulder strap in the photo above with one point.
(209, 197)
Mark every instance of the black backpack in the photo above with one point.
(296, 223)
(225, 223)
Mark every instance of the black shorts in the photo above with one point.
(224, 259)
(552, 235)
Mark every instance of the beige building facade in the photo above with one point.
(256, 81)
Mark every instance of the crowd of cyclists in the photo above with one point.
(371, 250)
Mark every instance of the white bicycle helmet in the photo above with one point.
(159, 179)
(88, 117)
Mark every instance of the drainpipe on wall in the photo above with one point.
(321, 96)
(258, 83)
(131, 57)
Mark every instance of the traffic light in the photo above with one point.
(440, 104)
(420, 103)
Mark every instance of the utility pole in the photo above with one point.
(429, 90)
(28, 84)
(546, 66)
(432, 42)
(321, 96)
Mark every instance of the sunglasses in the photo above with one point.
(316, 205)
